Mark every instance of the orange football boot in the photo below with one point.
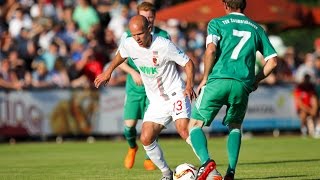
(130, 157)
(148, 165)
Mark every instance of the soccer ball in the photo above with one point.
(185, 171)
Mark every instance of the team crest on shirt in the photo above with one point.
(155, 58)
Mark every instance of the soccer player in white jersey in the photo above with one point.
(170, 97)
(136, 100)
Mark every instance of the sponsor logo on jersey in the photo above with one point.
(148, 70)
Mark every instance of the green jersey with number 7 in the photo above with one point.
(235, 56)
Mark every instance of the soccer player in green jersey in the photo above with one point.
(229, 78)
(136, 98)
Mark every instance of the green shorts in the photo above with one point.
(217, 93)
(135, 106)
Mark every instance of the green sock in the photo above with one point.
(199, 144)
(233, 146)
(130, 133)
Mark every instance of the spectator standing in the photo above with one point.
(7, 44)
(287, 66)
(43, 8)
(85, 16)
(17, 65)
(8, 77)
(118, 23)
(60, 75)
(49, 56)
(317, 84)
(19, 20)
(307, 67)
(41, 78)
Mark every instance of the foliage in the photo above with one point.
(302, 39)
(309, 2)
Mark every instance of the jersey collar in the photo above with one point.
(237, 13)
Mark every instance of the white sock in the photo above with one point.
(155, 154)
(318, 130)
(304, 130)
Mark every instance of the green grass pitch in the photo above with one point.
(284, 157)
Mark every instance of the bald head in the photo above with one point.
(138, 22)
(140, 30)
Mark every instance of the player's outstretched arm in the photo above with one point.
(189, 69)
(105, 76)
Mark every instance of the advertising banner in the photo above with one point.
(47, 112)
(100, 112)
(269, 108)
(110, 118)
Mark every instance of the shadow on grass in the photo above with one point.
(286, 176)
(279, 162)
(277, 177)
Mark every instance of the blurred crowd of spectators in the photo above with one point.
(66, 43)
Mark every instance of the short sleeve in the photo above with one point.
(124, 36)
(177, 55)
(122, 49)
(213, 33)
(267, 50)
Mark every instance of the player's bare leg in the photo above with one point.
(148, 137)
(303, 119)
(310, 126)
(317, 130)
(182, 127)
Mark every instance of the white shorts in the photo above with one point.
(163, 112)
